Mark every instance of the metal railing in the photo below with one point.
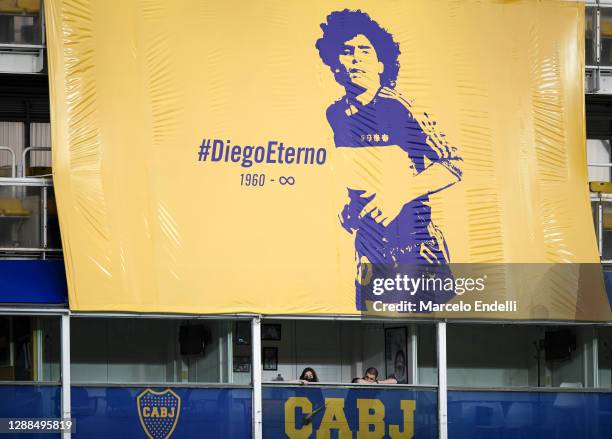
(28, 217)
(27, 153)
(28, 220)
(21, 46)
(598, 43)
(599, 200)
(13, 161)
(21, 171)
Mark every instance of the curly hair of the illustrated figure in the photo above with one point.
(342, 26)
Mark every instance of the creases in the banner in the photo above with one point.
(85, 152)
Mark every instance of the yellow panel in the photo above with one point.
(12, 206)
(600, 186)
(470, 143)
(607, 221)
(19, 6)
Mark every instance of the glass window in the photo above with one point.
(142, 350)
(489, 355)
(20, 29)
(604, 350)
(29, 348)
(568, 356)
(598, 151)
(606, 253)
(20, 22)
(606, 36)
(54, 239)
(427, 356)
(590, 46)
(339, 352)
(20, 217)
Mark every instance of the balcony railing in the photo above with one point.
(29, 225)
(598, 45)
(601, 205)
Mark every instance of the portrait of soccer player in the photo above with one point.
(389, 231)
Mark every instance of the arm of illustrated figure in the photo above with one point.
(443, 171)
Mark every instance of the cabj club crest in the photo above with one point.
(158, 412)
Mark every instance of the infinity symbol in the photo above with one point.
(286, 180)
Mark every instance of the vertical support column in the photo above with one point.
(587, 358)
(442, 382)
(414, 355)
(595, 353)
(45, 221)
(38, 350)
(597, 72)
(598, 36)
(27, 135)
(230, 352)
(600, 225)
(66, 412)
(256, 368)
(222, 354)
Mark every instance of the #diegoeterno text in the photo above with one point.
(223, 151)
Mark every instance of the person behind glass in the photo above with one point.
(308, 376)
(371, 377)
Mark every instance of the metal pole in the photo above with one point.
(586, 363)
(598, 36)
(597, 72)
(66, 412)
(24, 156)
(222, 353)
(38, 334)
(595, 354)
(45, 221)
(442, 383)
(256, 370)
(27, 134)
(230, 352)
(414, 354)
(13, 160)
(600, 226)
(41, 51)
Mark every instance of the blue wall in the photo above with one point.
(33, 281)
(112, 412)
(275, 398)
(472, 415)
(29, 401)
(529, 415)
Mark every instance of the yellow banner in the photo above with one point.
(294, 157)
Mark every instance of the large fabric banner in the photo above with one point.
(389, 158)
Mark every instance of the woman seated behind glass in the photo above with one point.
(308, 376)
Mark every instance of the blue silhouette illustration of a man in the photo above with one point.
(364, 59)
